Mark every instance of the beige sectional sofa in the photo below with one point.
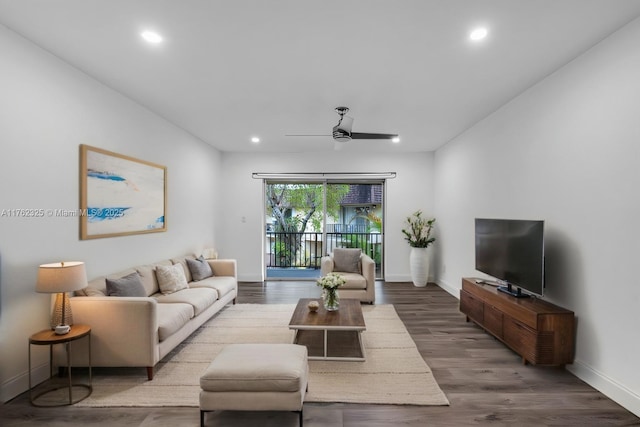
(138, 331)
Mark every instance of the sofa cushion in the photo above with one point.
(171, 279)
(148, 275)
(200, 268)
(183, 262)
(346, 260)
(199, 298)
(222, 284)
(354, 281)
(98, 286)
(95, 288)
(127, 286)
(172, 317)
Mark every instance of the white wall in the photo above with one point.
(47, 109)
(412, 189)
(565, 151)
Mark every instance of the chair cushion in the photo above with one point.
(257, 367)
(346, 260)
(354, 281)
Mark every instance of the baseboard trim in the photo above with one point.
(20, 383)
(617, 392)
(249, 278)
(452, 290)
(393, 278)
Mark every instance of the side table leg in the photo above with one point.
(30, 388)
(90, 376)
(68, 349)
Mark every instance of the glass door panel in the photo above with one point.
(359, 222)
(294, 221)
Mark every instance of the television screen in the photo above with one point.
(511, 251)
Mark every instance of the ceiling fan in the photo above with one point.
(342, 131)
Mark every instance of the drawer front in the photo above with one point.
(472, 306)
(493, 320)
(520, 338)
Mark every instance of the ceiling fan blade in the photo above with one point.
(362, 135)
(306, 135)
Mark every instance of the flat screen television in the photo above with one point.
(512, 251)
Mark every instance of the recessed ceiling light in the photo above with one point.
(478, 34)
(151, 37)
(255, 139)
(395, 139)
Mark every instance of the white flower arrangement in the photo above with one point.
(331, 281)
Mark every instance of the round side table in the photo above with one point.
(49, 337)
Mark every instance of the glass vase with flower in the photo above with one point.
(330, 284)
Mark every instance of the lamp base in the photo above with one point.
(62, 329)
(61, 311)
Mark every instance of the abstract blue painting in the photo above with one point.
(120, 195)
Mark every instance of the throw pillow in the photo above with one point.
(199, 268)
(126, 286)
(346, 260)
(171, 278)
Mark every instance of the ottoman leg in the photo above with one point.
(201, 418)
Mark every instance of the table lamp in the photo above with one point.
(60, 278)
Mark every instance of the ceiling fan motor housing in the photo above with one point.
(341, 135)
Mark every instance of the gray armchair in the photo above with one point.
(357, 268)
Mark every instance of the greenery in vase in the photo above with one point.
(418, 230)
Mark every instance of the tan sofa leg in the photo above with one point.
(150, 372)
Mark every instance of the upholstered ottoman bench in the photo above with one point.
(255, 377)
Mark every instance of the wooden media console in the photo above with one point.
(540, 332)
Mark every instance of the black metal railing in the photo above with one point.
(304, 250)
(348, 228)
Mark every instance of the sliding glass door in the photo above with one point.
(306, 220)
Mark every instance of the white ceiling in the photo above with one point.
(232, 69)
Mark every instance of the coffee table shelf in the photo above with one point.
(330, 335)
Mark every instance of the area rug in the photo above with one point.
(394, 372)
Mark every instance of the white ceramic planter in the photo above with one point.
(419, 266)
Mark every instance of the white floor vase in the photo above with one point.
(419, 266)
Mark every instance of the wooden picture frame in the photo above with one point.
(120, 195)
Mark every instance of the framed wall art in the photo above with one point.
(120, 195)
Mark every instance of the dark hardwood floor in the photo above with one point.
(485, 382)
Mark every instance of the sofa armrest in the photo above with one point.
(124, 331)
(326, 265)
(224, 267)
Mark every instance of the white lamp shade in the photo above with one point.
(61, 277)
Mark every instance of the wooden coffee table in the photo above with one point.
(330, 335)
